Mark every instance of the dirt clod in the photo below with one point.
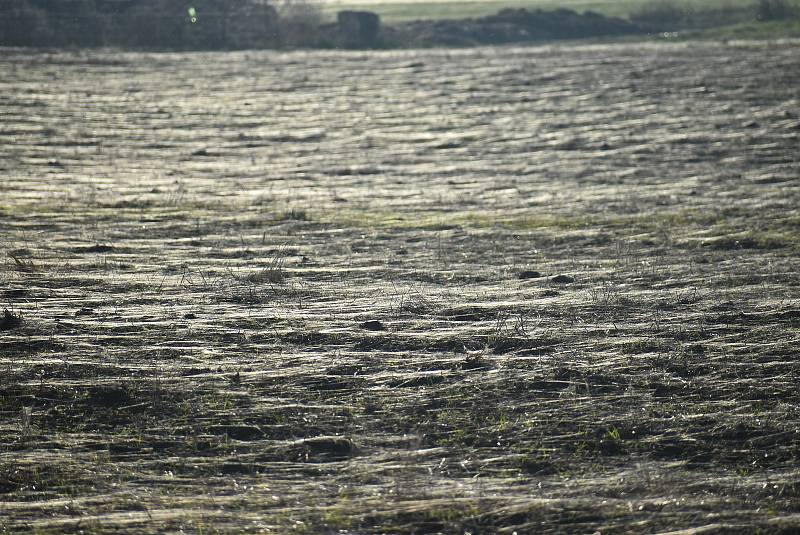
(97, 248)
(323, 447)
(373, 325)
(10, 320)
(529, 274)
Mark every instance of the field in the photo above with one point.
(393, 11)
(552, 289)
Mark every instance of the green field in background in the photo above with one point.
(392, 12)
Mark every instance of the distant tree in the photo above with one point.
(660, 15)
(252, 25)
(22, 24)
(299, 21)
(200, 24)
(150, 24)
(774, 10)
(158, 24)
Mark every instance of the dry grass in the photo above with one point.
(199, 348)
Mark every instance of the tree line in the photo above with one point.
(169, 24)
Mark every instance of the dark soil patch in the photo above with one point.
(10, 320)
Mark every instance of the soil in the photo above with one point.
(536, 290)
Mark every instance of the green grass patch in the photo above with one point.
(779, 29)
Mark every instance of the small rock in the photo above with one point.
(529, 274)
(373, 325)
(563, 279)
